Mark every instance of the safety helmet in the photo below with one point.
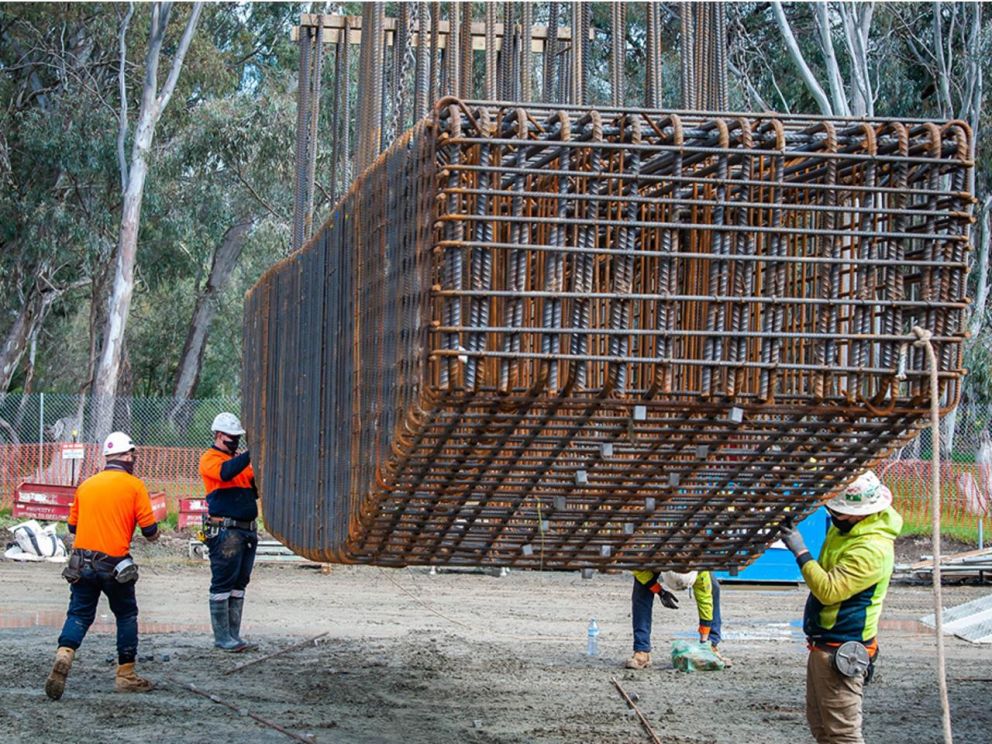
(865, 495)
(227, 423)
(117, 443)
(678, 581)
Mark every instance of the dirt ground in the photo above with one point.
(456, 657)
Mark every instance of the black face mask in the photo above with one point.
(232, 443)
(125, 465)
(842, 526)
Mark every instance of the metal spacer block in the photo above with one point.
(673, 479)
(640, 413)
(560, 503)
(581, 477)
(605, 550)
(545, 525)
(606, 449)
(628, 528)
(587, 573)
(527, 550)
(649, 504)
(736, 414)
(701, 451)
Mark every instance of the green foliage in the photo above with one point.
(224, 150)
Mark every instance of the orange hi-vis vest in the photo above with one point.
(106, 509)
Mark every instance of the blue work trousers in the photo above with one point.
(641, 606)
(84, 596)
(232, 557)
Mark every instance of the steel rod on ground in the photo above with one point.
(633, 706)
(280, 652)
(306, 738)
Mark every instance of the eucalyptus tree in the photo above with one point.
(133, 172)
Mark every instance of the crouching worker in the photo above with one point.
(230, 528)
(665, 585)
(104, 512)
(847, 585)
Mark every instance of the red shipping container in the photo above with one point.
(159, 507)
(42, 512)
(44, 493)
(190, 519)
(44, 501)
(191, 513)
(192, 505)
(51, 503)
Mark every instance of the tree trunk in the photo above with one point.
(25, 327)
(122, 290)
(119, 305)
(224, 260)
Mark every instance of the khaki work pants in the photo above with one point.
(833, 701)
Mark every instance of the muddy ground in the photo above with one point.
(456, 657)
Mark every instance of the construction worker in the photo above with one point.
(665, 585)
(847, 585)
(104, 512)
(230, 528)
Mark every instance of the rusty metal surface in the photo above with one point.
(559, 337)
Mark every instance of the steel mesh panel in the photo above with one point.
(560, 337)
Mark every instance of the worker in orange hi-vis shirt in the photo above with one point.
(103, 515)
(230, 530)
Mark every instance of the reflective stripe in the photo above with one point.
(237, 592)
(220, 597)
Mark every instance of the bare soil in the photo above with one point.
(456, 657)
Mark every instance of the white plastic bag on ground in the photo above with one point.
(36, 543)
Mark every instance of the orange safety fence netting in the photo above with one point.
(174, 470)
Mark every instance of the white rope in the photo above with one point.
(923, 341)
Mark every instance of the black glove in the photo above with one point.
(668, 599)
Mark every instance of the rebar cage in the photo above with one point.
(556, 337)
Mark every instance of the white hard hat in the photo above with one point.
(866, 494)
(117, 443)
(678, 581)
(227, 423)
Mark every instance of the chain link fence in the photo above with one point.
(171, 434)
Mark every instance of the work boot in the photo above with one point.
(128, 681)
(234, 609)
(640, 660)
(55, 684)
(220, 620)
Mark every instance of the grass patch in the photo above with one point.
(966, 533)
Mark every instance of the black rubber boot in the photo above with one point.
(235, 607)
(221, 622)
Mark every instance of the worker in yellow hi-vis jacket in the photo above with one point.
(666, 585)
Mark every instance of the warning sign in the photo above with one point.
(73, 451)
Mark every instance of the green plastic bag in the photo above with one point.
(695, 657)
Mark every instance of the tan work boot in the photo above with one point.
(640, 660)
(128, 681)
(55, 684)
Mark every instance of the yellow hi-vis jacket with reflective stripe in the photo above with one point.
(848, 582)
(702, 592)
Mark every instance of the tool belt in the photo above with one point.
(228, 522)
(123, 568)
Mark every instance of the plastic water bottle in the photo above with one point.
(592, 642)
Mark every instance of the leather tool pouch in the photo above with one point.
(73, 570)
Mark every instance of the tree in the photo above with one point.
(133, 174)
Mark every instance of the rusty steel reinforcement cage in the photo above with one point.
(550, 336)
